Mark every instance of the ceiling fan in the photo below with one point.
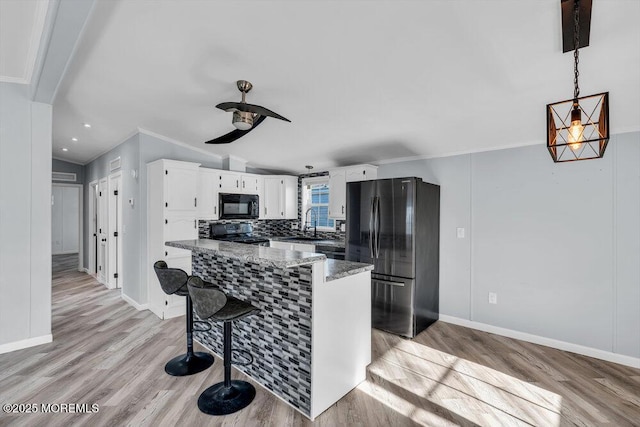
(246, 117)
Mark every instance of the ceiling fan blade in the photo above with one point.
(250, 108)
(235, 134)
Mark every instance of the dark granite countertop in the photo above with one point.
(252, 253)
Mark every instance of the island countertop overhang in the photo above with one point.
(261, 255)
(273, 257)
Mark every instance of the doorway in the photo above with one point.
(66, 220)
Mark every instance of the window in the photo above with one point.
(315, 196)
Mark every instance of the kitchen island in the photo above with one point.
(311, 341)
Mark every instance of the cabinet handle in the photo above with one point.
(166, 205)
(343, 209)
(194, 224)
(265, 210)
(166, 221)
(242, 184)
(166, 253)
(195, 202)
(237, 185)
(215, 210)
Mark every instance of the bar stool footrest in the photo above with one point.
(207, 325)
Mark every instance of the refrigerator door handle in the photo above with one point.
(371, 214)
(377, 226)
(388, 282)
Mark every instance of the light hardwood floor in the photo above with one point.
(106, 352)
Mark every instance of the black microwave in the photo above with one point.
(238, 206)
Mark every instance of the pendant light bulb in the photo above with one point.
(576, 130)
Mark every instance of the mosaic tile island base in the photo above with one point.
(311, 340)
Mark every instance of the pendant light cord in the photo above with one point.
(576, 43)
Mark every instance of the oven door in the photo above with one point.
(238, 206)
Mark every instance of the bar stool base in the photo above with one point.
(188, 364)
(221, 400)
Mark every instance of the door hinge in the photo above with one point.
(100, 193)
(115, 192)
(115, 275)
(166, 221)
(115, 234)
(100, 230)
(100, 267)
(166, 204)
(166, 172)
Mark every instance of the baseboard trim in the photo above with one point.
(29, 342)
(634, 362)
(134, 304)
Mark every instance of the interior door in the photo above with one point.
(114, 234)
(103, 215)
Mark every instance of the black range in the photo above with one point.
(237, 232)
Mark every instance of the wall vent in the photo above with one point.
(115, 164)
(63, 176)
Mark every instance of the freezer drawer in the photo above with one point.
(392, 304)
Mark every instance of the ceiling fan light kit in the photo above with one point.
(246, 117)
(578, 128)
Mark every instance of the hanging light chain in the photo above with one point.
(576, 43)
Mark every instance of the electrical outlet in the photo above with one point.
(294, 225)
(343, 227)
(493, 298)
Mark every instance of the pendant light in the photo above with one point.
(578, 128)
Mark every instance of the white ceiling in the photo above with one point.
(21, 25)
(361, 81)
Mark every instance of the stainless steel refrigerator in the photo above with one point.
(394, 224)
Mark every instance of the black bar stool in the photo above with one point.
(174, 281)
(211, 303)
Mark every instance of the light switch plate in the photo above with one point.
(460, 232)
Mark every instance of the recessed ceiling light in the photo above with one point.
(65, 149)
(74, 139)
(87, 125)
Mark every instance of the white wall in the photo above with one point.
(558, 243)
(25, 219)
(65, 219)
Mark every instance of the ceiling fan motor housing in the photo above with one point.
(242, 120)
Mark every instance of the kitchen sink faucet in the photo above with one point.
(307, 221)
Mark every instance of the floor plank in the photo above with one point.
(106, 352)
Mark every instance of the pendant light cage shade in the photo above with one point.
(567, 142)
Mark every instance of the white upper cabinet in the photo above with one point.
(280, 199)
(238, 182)
(229, 182)
(251, 184)
(208, 185)
(338, 179)
(180, 186)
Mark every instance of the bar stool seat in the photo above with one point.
(210, 302)
(174, 281)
